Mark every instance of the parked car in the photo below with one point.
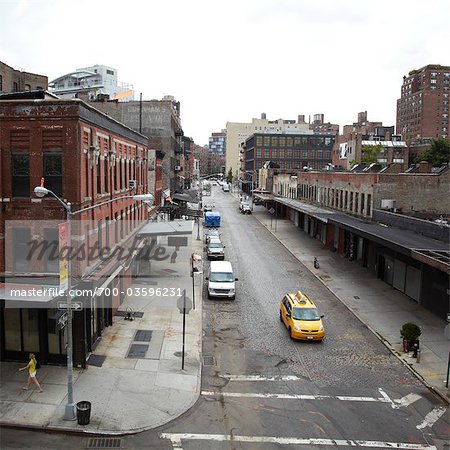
(245, 208)
(212, 233)
(226, 187)
(299, 314)
(221, 280)
(207, 208)
(215, 249)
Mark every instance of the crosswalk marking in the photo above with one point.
(261, 378)
(432, 417)
(176, 439)
(295, 396)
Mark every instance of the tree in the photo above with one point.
(369, 153)
(438, 154)
(230, 176)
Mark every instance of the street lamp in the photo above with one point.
(40, 191)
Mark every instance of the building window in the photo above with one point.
(27, 87)
(53, 172)
(266, 141)
(1, 83)
(21, 242)
(99, 177)
(15, 87)
(20, 175)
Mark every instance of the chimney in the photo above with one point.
(424, 167)
(301, 118)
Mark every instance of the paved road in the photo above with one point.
(265, 391)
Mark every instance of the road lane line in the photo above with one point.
(178, 437)
(432, 417)
(293, 396)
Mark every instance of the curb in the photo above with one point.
(382, 339)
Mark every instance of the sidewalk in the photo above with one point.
(381, 307)
(128, 394)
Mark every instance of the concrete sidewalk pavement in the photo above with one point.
(381, 307)
(128, 393)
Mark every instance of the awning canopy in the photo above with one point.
(172, 227)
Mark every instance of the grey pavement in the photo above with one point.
(128, 394)
(379, 306)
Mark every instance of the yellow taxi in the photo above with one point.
(299, 314)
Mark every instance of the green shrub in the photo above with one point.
(410, 331)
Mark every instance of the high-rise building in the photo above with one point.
(218, 142)
(422, 109)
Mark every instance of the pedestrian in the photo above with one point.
(31, 366)
(214, 205)
(173, 257)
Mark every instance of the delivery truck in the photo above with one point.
(212, 219)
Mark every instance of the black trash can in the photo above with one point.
(83, 412)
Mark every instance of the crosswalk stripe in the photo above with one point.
(294, 396)
(176, 439)
(261, 378)
(432, 417)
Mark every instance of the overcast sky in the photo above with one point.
(231, 60)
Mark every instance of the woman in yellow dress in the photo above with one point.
(31, 366)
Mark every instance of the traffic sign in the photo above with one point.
(182, 303)
(271, 210)
(76, 306)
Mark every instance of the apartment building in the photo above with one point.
(423, 107)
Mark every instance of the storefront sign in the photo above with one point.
(63, 229)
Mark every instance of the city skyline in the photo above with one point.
(233, 63)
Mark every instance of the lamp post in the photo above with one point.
(251, 173)
(40, 191)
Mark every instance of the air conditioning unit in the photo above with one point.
(133, 184)
(388, 204)
(177, 168)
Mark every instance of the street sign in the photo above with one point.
(76, 306)
(62, 321)
(271, 210)
(180, 304)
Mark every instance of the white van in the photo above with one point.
(226, 187)
(221, 281)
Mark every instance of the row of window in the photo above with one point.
(298, 141)
(108, 234)
(117, 176)
(20, 170)
(280, 154)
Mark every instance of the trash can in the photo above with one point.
(83, 412)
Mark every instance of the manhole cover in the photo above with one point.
(143, 335)
(209, 361)
(104, 443)
(137, 351)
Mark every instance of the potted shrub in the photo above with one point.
(410, 333)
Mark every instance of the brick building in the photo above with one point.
(12, 80)
(383, 221)
(160, 121)
(319, 126)
(286, 150)
(423, 108)
(350, 147)
(85, 158)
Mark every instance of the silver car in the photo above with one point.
(215, 249)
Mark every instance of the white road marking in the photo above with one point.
(295, 396)
(176, 438)
(432, 417)
(406, 400)
(260, 378)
